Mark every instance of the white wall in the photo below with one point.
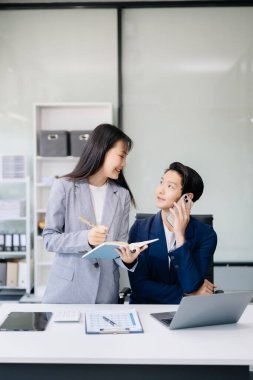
(188, 96)
(53, 56)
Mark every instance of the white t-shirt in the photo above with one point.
(170, 239)
(98, 199)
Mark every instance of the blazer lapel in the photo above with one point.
(158, 250)
(85, 206)
(110, 204)
(189, 233)
(84, 201)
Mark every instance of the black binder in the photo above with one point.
(1, 242)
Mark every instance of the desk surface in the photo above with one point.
(68, 343)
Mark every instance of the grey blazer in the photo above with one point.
(71, 278)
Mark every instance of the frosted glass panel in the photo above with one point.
(188, 96)
(56, 56)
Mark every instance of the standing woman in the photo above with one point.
(97, 190)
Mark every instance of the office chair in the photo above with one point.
(204, 218)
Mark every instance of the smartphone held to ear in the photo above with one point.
(186, 199)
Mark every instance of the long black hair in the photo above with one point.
(102, 139)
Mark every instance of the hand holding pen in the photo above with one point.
(97, 234)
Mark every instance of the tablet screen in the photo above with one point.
(26, 321)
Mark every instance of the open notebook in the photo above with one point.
(107, 250)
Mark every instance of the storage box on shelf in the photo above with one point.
(60, 133)
(16, 259)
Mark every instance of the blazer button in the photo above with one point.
(96, 265)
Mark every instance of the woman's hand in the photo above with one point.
(97, 235)
(129, 256)
(181, 213)
(206, 288)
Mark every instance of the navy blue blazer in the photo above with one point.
(153, 282)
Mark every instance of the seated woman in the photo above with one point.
(177, 264)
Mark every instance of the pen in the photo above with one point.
(109, 321)
(85, 221)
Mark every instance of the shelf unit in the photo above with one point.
(56, 117)
(10, 190)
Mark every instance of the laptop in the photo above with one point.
(204, 310)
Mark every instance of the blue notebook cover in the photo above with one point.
(108, 251)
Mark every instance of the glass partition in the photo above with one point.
(187, 95)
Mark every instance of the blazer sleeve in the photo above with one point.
(54, 235)
(123, 232)
(144, 289)
(124, 225)
(191, 260)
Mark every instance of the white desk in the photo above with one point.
(202, 351)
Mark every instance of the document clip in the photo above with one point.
(115, 330)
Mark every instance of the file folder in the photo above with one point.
(15, 242)
(23, 242)
(1, 242)
(12, 274)
(22, 268)
(3, 267)
(8, 242)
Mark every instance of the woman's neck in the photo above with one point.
(97, 179)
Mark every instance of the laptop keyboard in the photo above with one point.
(167, 321)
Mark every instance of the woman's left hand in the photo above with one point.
(128, 256)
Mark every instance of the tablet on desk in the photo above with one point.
(26, 321)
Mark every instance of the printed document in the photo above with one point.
(112, 321)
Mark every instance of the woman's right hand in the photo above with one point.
(97, 235)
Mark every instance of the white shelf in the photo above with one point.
(13, 219)
(57, 117)
(12, 288)
(12, 254)
(19, 225)
(13, 180)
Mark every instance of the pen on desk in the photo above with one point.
(109, 321)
